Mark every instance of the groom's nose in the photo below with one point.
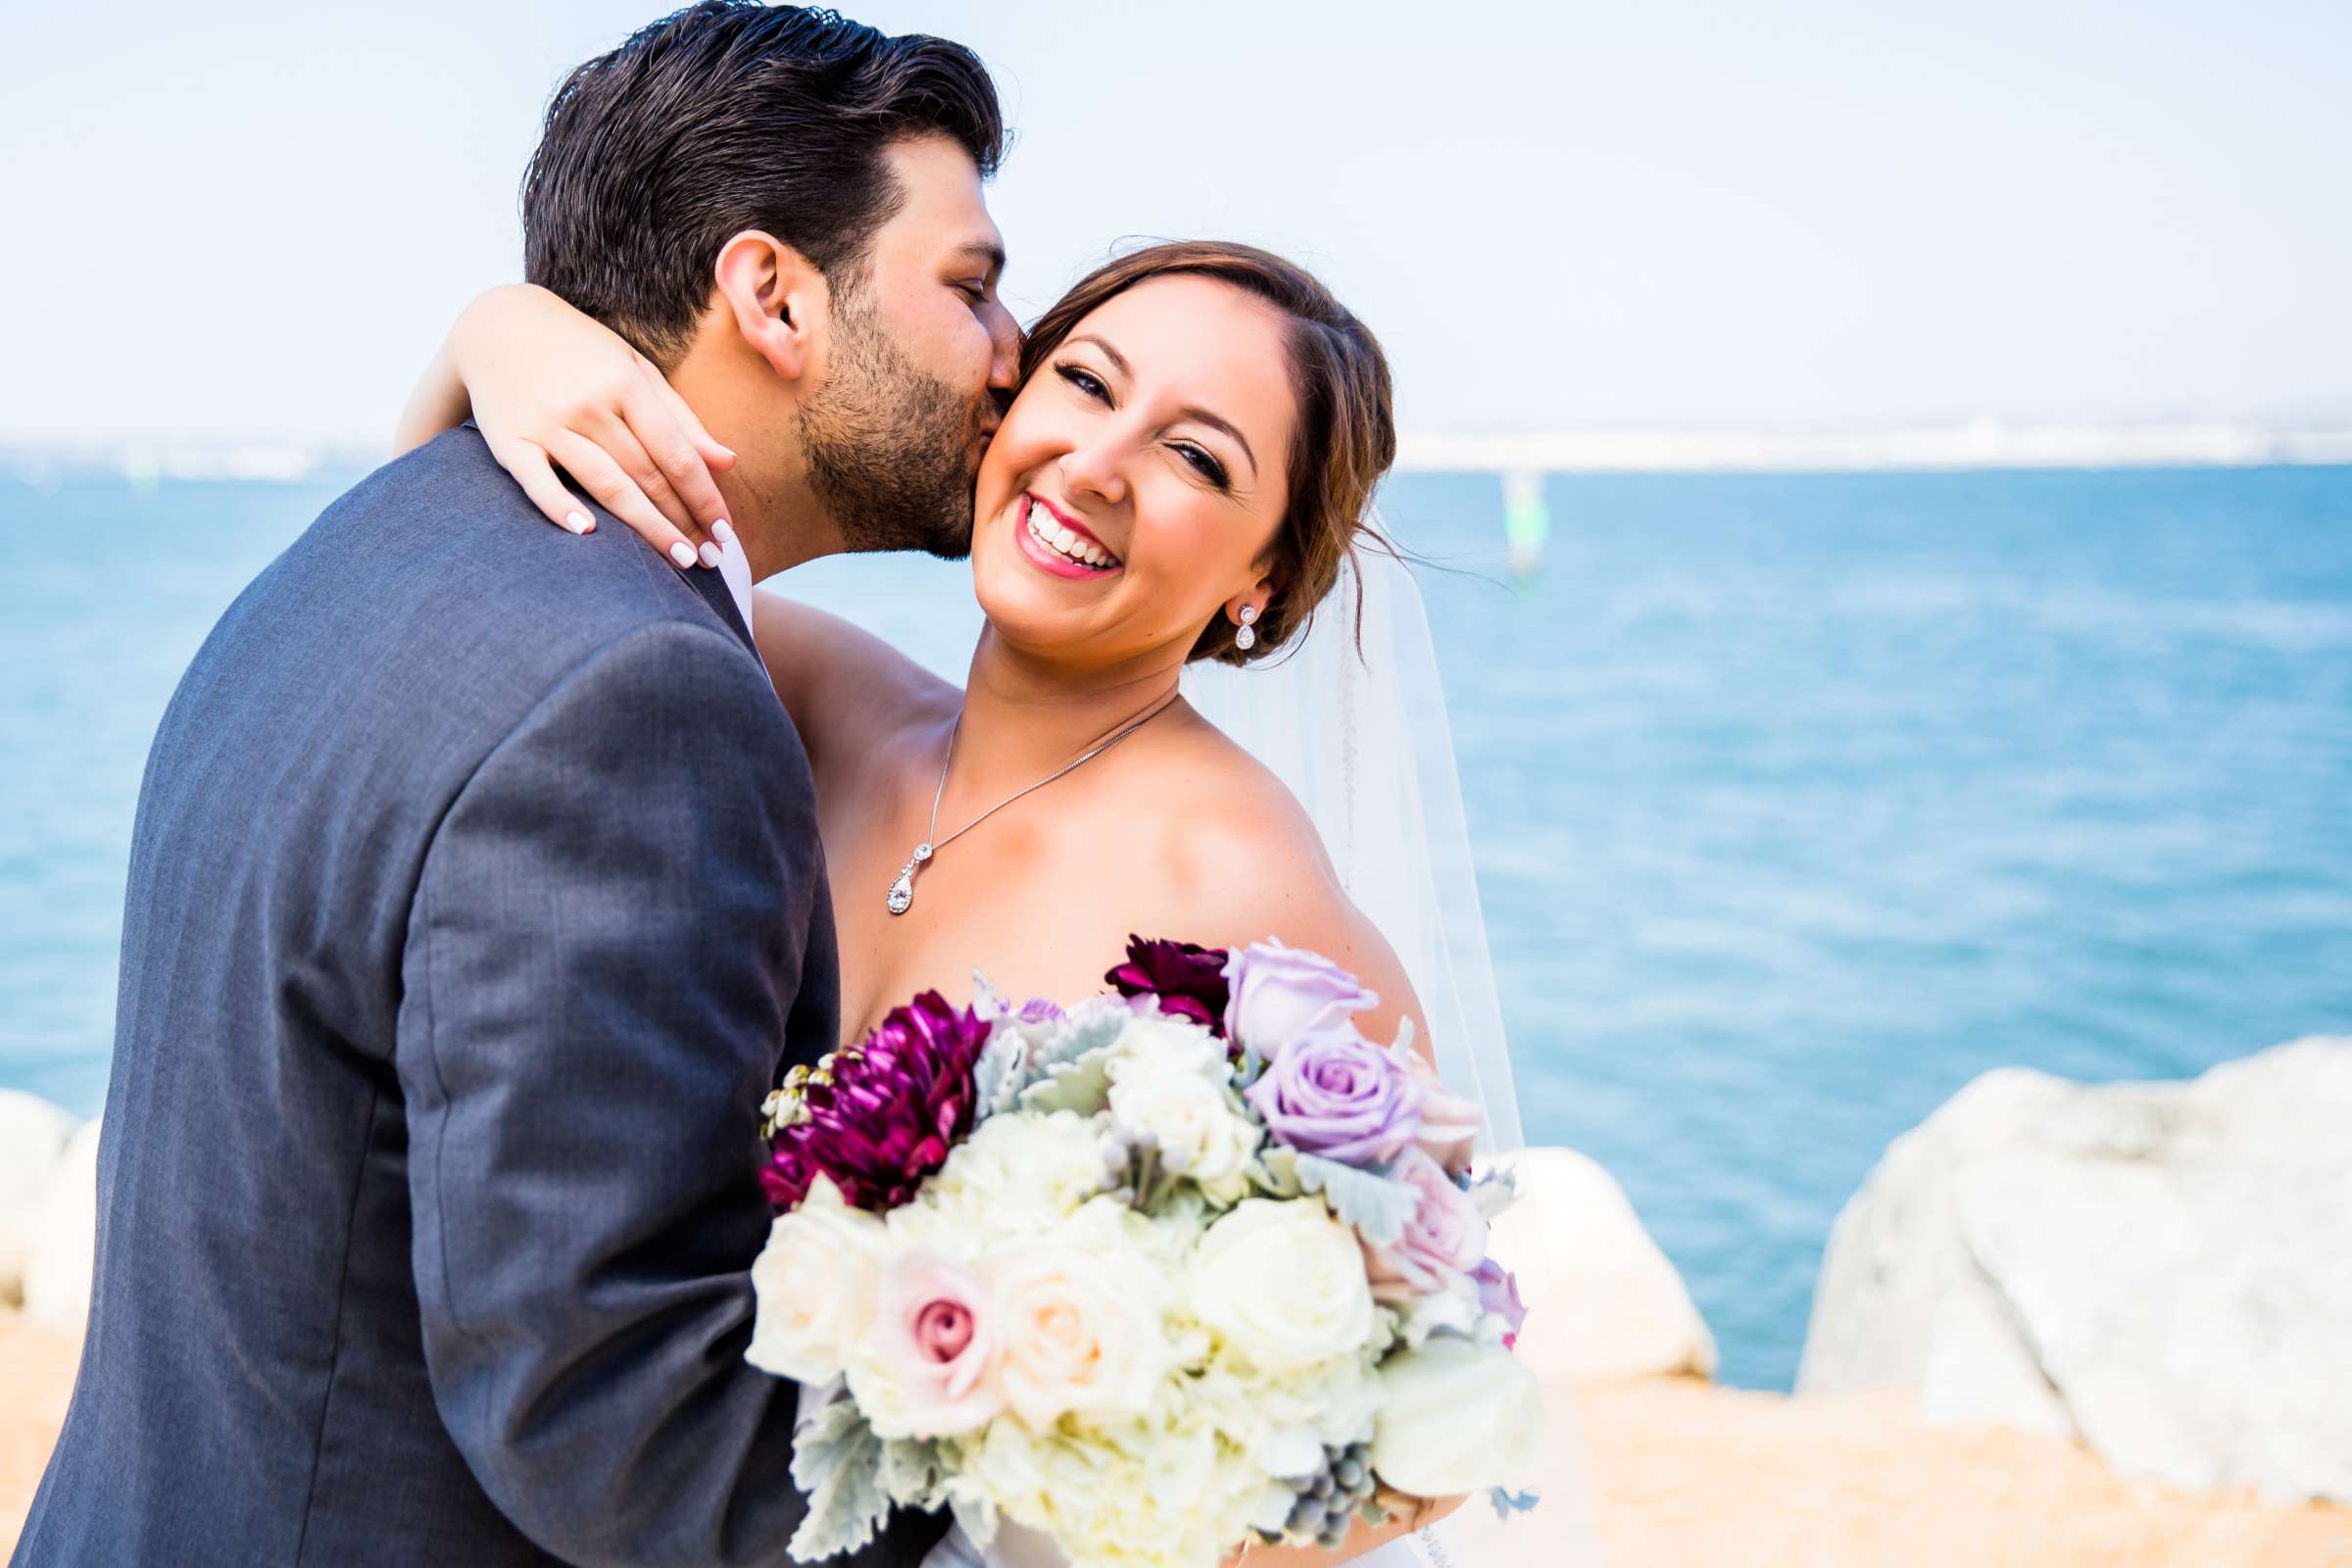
(1005, 358)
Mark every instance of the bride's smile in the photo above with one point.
(1059, 543)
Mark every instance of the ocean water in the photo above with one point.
(1799, 800)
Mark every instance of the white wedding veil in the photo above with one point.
(1353, 720)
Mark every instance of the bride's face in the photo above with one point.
(1135, 486)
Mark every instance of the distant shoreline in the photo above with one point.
(1984, 444)
(1980, 445)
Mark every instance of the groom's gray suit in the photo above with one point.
(474, 901)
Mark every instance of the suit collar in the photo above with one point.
(713, 586)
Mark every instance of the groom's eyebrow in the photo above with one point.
(981, 250)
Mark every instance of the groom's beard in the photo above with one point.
(893, 454)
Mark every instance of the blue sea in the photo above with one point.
(1798, 799)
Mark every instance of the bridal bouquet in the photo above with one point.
(1186, 1266)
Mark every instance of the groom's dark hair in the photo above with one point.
(728, 115)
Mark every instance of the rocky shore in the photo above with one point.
(1931, 1428)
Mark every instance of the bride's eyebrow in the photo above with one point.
(1118, 360)
(1201, 416)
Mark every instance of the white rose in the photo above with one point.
(1077, 1320)
(1283, 1284)
(1458, 1416)
(815, 1286)
(1181, 1095)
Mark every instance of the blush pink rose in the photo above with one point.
(1442, 1245)
(1449, 1123)
(922, 1368)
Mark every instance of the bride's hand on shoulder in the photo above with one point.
(552, 387)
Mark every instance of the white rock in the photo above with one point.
(1602, 1302)
(2162, 1270)
(62, 1245)
(32, 1133)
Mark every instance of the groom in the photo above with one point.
(476, 897)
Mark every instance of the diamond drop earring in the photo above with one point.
(1247, 639)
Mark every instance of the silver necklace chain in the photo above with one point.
(901, 891)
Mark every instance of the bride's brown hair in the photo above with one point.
(1347, 431)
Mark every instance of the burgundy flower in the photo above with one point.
(1182, 977)
(881, 1115)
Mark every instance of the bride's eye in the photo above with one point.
(1084, 381)
(1206, 464)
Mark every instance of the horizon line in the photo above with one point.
(1984, 443)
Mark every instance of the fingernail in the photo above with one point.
(729, 451)
(577, 521)
(683, 554)
(709, 555)
(723, 531)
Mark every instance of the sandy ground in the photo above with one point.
(1683, 1473)
(37, 1376)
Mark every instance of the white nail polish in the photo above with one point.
(577, 521)
(710, 554)
(683, 554)
(723, 531)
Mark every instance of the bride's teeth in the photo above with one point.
(1066, 542)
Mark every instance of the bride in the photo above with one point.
(1183, 476)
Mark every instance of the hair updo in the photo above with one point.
(1347, 430)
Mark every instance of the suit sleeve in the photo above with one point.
(604, 948)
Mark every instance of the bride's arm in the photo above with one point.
(549, 387)
(847, 690)
(1403, 1521)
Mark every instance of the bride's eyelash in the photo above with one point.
(1207, 466)
(1203, 462)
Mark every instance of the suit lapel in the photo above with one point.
(715, 591)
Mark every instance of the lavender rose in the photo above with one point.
(1283, 994)
(1337, 1094)
(1182, 978)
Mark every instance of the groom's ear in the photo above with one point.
(778, 298)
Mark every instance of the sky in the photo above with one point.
(257, 220)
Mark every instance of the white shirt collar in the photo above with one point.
(738, 574)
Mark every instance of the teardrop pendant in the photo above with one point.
(901, 891)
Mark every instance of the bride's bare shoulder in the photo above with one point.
(1236, 860)
(1219, 810)
(847, 690)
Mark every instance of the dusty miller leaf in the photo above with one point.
(914, 1472)
(1082, 1086)
(838, 1462)
(1001, 1073)
(1276, 1170)
(1069, 1067)
(1077, 1036)
(1378, 1207)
